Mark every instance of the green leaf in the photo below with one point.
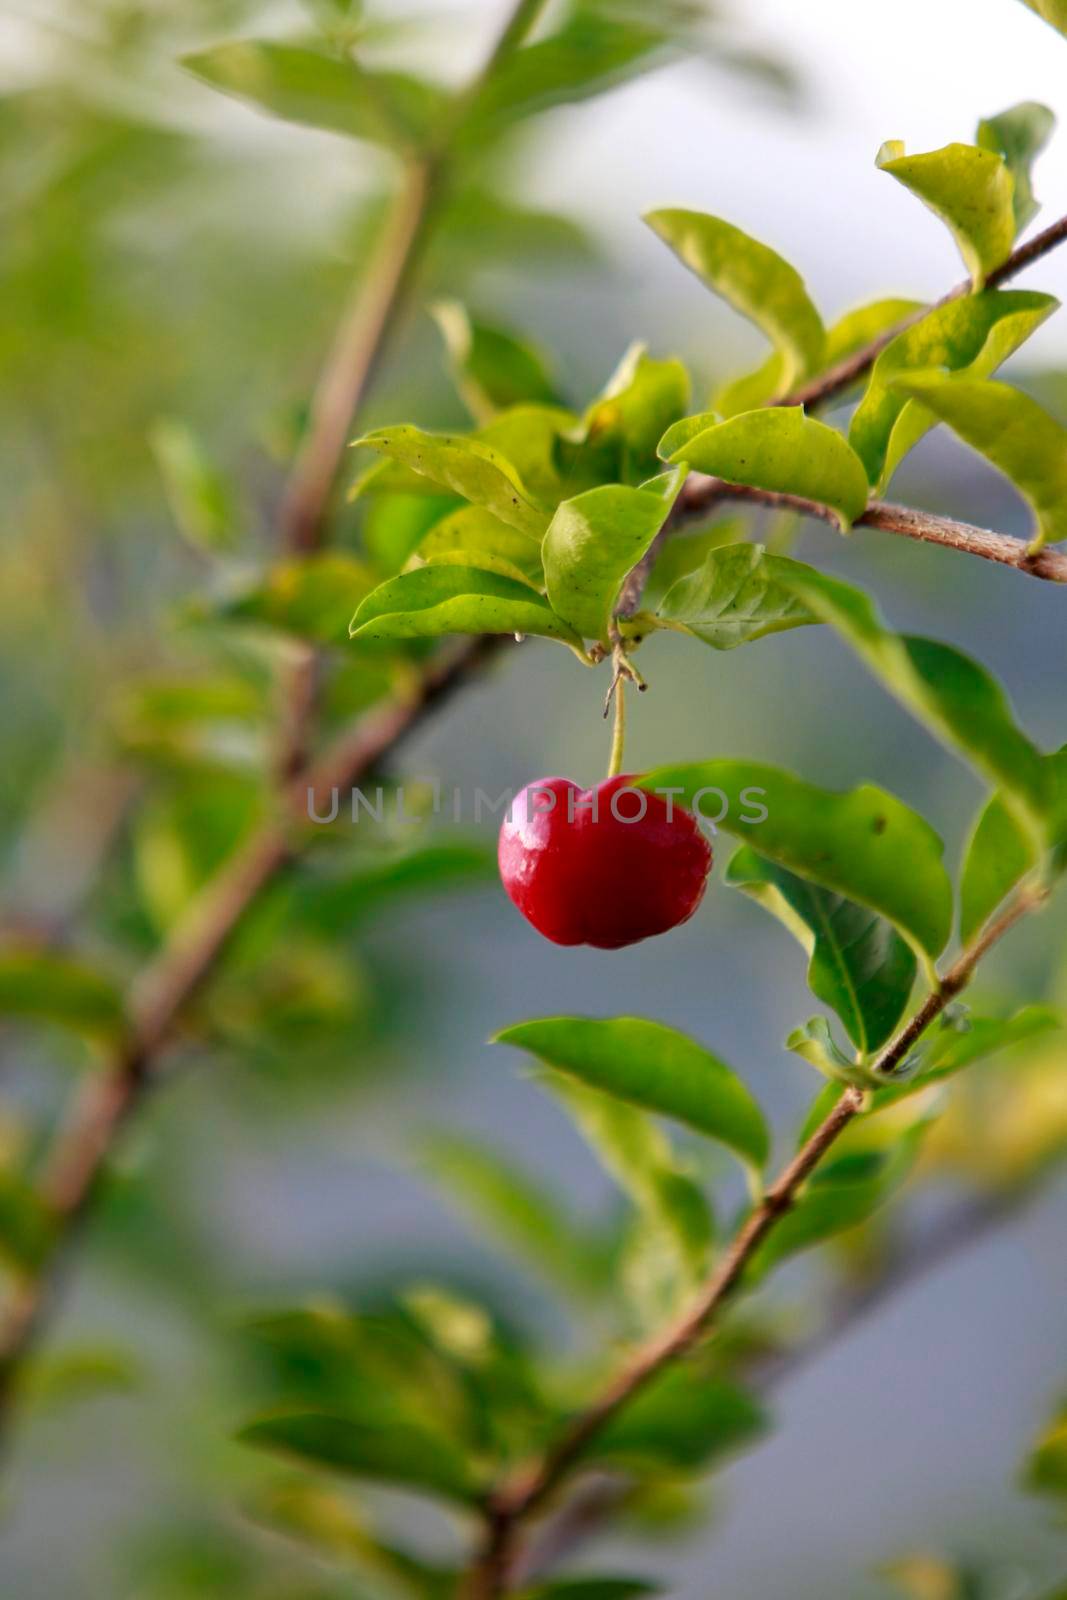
(859, 966)
(320, 91)
(864, 844)
(590, 1589)
(639, 1157)
(1046, 1470)
(971, 336)
(1019, 135)
(339, 902)
(849, 333)
(971, 190)
(435, 600)
(948, 692)
(588, 54)
(514, 1205)
(1000, 853)
(1013, 432)
(390, 1452)
(1054, 12)
(681, 1422)
(641, 400)
(312, 598)
(780, 449)
(198, 494)
(54, 988)
(755, 280)
(592, 543)
(535, 439)
(467, 467)
(473, 537)
(654, 1067)
(684, 553)
(814, 1042)
(492, 368)
(737, 595)
(395, 524)
(27, 1227)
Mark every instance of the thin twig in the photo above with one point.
(701, 494)
(829, 385)
(514, 1502)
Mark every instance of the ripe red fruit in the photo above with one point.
(584, 874)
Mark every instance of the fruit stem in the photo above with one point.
(617, 692)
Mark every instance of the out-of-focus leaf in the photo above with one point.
(27, 1229)
(321, 91)
(479, 225)
(389, 1452)
(588, 54)
(780, 449)
(594, 540)
(849, 333)
(681, 1422)
(440, 599)
(514, 1205)
(672, 1209)
(199, 496)
(183, 834)
(1046, 1470)
(591, 1589)
(951, 694)
(473, 537)
(1000, 853)
(313, 598)
(755, 280)
(735, 597)
(1053, 11)
(1019, 135)
(970, 189)
(654, 1067)
(1013, 432)
(954, 1048)
(859, 966)
(924, 1577)
(395, 524)
(534, 438)
(55, 988)
(862, 843)
(64, 1377)
(971, 336)
(335, 904)
(640, 401)
(492, 368)
(467, 467)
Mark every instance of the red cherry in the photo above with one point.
(601, 866)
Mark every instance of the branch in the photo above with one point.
(700, 494)
(509, 1508)
(841, 377)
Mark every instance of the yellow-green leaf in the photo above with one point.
(467, 467)
(1011, 430)
(439, 599)
(737, 595)
(970, 336)
(754, 279)
(592, 543)
(971, 190)
(780, 449)
(1054, 12)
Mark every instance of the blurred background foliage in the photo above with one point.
(171, 267)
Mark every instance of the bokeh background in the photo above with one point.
(169, 254)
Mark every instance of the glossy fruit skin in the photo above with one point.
(590, 878)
